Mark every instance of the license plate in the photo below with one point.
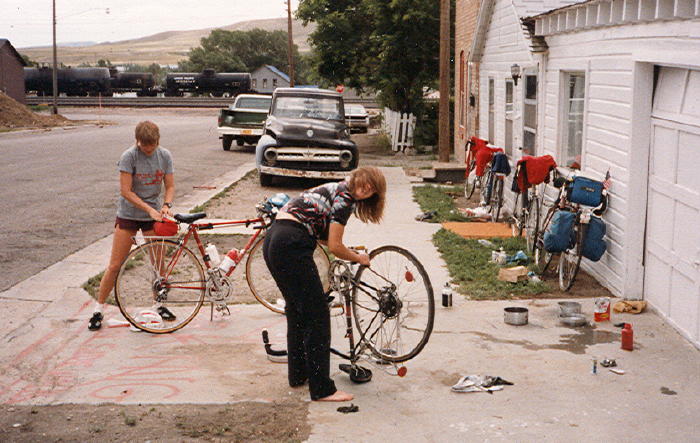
(247, 131)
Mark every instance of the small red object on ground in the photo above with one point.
(402, 371)
(627, 337)
(601, 312)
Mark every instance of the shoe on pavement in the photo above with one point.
(165, 313)
(95, 321)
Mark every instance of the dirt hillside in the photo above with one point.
(14, 115)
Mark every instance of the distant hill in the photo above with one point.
(165, 48)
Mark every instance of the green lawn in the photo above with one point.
(437, 198)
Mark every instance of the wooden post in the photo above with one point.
(444, 147)
(290, 58)
(54, 71)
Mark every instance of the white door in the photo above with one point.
(672, 255)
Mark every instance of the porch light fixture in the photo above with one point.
(515, 73)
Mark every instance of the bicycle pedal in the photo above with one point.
(223, 309)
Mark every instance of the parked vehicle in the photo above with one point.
(244, 120)
(305, 136)
(356, 117)
(70, 81)
(223, 84)
(142, 83)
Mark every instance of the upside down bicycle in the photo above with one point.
(390, 303)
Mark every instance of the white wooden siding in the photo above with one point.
(611, 56)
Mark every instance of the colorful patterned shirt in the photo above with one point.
(318, 207)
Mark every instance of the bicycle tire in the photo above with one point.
(393, 304)
(496, 194)
(470, 180)
(485, 190)
(570, 260)
(532, 223)
(542, 257)
(518, 216)
(138, 283)
(263, 286)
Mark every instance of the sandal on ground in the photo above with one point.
(165, 313)
(95, 321)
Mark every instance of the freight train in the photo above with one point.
(105, 82)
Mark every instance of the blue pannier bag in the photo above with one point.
(585, 191)
(560, 235)
(593, 244)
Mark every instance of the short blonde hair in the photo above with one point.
(147, 133)
(372, 208)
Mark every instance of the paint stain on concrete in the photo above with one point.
(577, 342)
(666, 391)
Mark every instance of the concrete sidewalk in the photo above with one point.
(49, 357)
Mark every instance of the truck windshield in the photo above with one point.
(254, 103)
(327, 108)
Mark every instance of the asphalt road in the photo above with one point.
(58, 189)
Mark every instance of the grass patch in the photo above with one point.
(470, 267)
(38, 108)
(438, 199)
(202, 208)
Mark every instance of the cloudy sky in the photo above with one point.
(28, 22)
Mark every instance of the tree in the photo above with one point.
(389, 46)
(29, 61)
(239, 51)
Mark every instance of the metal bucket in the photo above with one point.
(569, 307)
(515, 316)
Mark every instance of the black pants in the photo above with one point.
(289, 254)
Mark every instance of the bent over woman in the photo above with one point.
(320, 213)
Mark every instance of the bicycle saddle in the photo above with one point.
(190, 218)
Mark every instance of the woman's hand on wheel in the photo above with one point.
(363, 259)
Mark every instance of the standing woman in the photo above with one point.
(317, 214)
(144, 169)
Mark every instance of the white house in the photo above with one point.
(612, 85)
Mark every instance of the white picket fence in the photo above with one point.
(399, 127)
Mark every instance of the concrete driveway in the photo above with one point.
(52, 358)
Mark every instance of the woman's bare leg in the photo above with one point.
(121, 245)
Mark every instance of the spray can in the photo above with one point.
(594, 368)
(447, 296)
(228, 264)
(213, 254)
(627, 338)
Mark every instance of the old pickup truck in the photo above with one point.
(243, 120)
(305, 136)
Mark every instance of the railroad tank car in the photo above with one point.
(208, 82)
(70, 81)
(143, 83)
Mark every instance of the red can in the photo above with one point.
(601, 312)
(627, 338)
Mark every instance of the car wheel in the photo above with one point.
(265, 179)
(226, 141)
(240, 141)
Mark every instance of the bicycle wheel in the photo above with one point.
(263, 286)
(570, 260)
(518, 216)
(470, 180)
(393, 306)
(532, 223)
(542, 257)
(496, 198)
(486, 188)
(160, 273)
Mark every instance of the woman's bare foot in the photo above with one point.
(338, 396)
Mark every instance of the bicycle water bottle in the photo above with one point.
(229, 262)
(213, 254)
(447, 296)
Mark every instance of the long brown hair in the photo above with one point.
(370, 209)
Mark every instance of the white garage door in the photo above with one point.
(672, 257)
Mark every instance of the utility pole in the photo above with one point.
(444, 147)
(290, 58)
(54, 71)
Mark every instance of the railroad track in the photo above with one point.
(156, 102)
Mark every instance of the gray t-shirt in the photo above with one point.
(147, 180)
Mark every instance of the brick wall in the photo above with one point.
(466, 117)
(11, 74)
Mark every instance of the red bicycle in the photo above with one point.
(478, 159)
(164, 271)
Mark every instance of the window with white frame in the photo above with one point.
(508, 144)
(572, 129)
(255, 83)
(264, 83)
(274, 82)
(530, 115)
